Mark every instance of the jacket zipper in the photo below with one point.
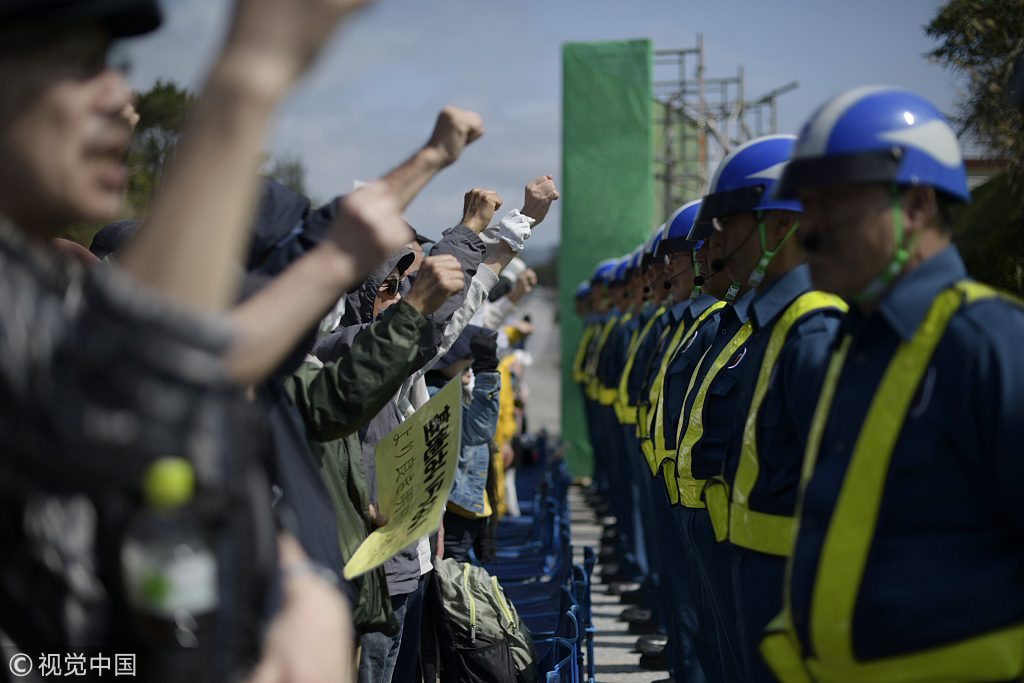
(472, 603)
(502, 604)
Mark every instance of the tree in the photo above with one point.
(163, 114)
(978, 41)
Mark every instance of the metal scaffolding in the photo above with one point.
(699, 120)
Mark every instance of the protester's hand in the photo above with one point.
(484, 348)
(275, 40)
(369, 226)
(508, 454)
(311, 640)
(478, 209)
(539, 195)
(455, 128)
(523, 327)
(129, 115)
(438, 278)
(524, 285)
(376, 517)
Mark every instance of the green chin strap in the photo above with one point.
(757, 275)
(696, 271)
(900, 256)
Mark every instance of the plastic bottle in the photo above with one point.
(170, 577)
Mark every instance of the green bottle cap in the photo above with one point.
(169, 482)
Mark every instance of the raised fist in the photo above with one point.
(479, 208)
(455, 128)
(438, 278)
(279, 38)
(484, 348)
(539, 195)
(524, 285)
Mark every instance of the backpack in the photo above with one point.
(479, 635)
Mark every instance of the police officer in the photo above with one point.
(790, 328)
(689, 310)
(601, 316)
(908, 559)
(608, 369)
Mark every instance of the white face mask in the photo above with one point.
(332, 319)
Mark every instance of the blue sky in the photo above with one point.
(373, 96)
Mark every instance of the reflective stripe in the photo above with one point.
(627, 413)
(716, 498)
(593, 384)
(579, 373)
(748, 528)
(690, 488)
(643, 413)
(994, 656)
(682, 337)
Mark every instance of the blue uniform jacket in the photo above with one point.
(947, 559)
(677, 375)
(722, 397)
(787, 410)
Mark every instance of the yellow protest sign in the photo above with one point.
(415, 468)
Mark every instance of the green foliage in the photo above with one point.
(978, 41)
(163, 114)
(990, 235)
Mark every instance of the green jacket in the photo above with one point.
(335, 399)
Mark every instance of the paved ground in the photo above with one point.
(544, 377)
(615, 661)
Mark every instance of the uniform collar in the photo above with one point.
(739, 309)
(907, 302)
(678, 309)
(779, 293)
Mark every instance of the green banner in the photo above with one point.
(607, 188)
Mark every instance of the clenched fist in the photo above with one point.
(455, 128)
(479, 208)
(438, 278)
(279, 38)
(539, 195)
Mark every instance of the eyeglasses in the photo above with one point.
(391, 287)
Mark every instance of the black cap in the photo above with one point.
(112, 237)
(121, 18)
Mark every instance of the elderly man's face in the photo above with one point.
(62, 129)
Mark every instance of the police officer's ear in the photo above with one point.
(779, 224)
(921, 210)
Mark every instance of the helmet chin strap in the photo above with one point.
(696, 269)
(900, 255)
(757, 275)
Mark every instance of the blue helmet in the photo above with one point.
(634, 261)
(877, 135)
(745, 181)
(651, 246)
(677, 230)
(583, 290)
(603, 271)
(619, 275)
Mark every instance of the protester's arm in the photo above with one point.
(464, 244)
(337, 398)
(198, 227)
(540, 193)
(481, 417)
(269, 324)
(455, 128)
(312, 638)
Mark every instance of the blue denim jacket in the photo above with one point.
(479, 421)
